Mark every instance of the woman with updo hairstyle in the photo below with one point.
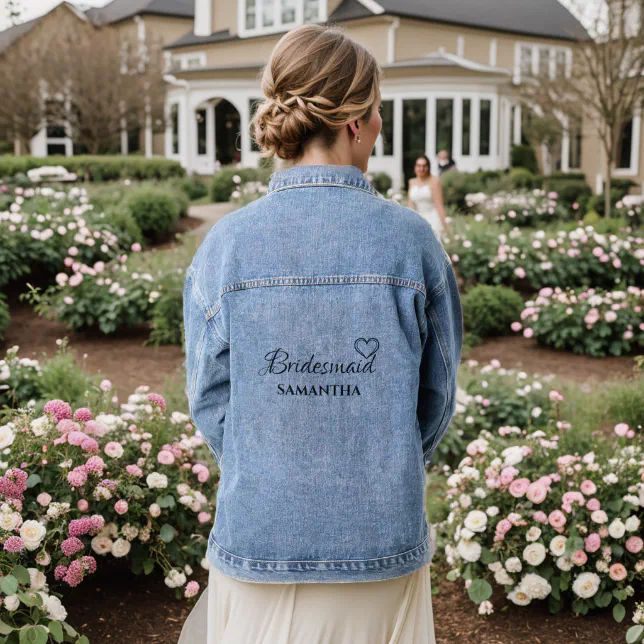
(323, 335)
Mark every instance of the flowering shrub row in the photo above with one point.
(546, 522)
(81, 485)
(592, 321)
(577, 258)
(525, 208)
(43, 226)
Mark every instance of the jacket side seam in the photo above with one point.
(318, 561)
(443, 351)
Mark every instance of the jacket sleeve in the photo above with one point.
(440, 361)
(207, 363)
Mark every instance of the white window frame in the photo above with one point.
(278, 25)
(636, 142)
(379, 147)
(183, 60)
(535, 47)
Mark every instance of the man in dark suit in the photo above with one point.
(444, 162)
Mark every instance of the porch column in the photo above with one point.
(517, 125)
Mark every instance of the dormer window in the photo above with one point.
(271, 16)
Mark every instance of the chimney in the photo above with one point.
(203, 17)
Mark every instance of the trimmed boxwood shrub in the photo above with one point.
(490, 310)
(570, 191)
(96, 168)
(4, 316)
(381, 181)
(456, 185)
(155, 211)
(523, 156)
(223, 186)
(194, 187)
(522, 178)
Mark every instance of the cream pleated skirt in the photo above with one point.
(392, 611)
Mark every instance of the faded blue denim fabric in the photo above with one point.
(323, 332)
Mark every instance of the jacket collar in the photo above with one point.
(315, 175)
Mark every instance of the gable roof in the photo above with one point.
(442, 58)
(544, 18)
(12, 34)
(122, 9)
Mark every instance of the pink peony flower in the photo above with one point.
(67, 425)
(203, 517)
(579, 558)
(519, 487)
(593, 542)
(508, 474)
(536, 492)
(528, 333)
(165, 457)
(516, 326)
(121, 506)
(95, 465)
(192, 588)
(634, 545)
(60, 572)
(76, 477)
(83, 505)
(90, 445)
(557, 519)
(588, 487)
(43, 499)
(593, 504)
(134, 470)
(617, 572)
(621, 429)
(540, 517)
(76, 438)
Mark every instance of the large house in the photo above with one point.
(147, 21)
(450, 76)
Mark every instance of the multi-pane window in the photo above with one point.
(544, 61)
(271, 15)
(574, 143)
(526, 60)
(486, 127)
(541, 60)
(387, 114)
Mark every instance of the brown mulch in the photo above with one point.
(535, 358)
(184, 225)
(121, 607)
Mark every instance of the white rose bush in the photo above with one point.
(543, 520)
(586, 321)
(80, 487)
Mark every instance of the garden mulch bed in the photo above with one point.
(516, 351)
(135, 610)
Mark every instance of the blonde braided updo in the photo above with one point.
(316, 82)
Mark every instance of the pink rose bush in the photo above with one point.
(521, 208)
(99, 495)
(588, 321)
(530, 513)
(539, 259)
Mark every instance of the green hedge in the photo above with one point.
(4, 316)
(97, 168)
(155, 210)
(223, 186)
(490, 310)
(523, 156)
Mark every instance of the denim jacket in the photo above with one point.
(323, 332)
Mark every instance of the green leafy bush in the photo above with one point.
(489, 310)
(522, 178)
(167, 311)
(569, 191)
(5, 318)
(96, 168)
(156, 212)
(456, 185)
(228, 179)
(381, 181)
(523, 156)
(194, 187)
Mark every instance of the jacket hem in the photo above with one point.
(318, 571)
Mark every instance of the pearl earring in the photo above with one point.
(358, 139)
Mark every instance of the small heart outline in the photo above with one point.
(367, 343)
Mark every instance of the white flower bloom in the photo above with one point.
(11, 603)
(513, 564)
(599, 516)
(40, 426)
(32, 533)
(55, 609)
(157, 480)
(469, 550)
(101, 544)
(37, 578)
(492, 511)
(534, 554)
(121, 547)
(205, 564)
(175, 579)
(502, 578)
(7, 436)
(533, 533)
(495, 566)
(476, 521)
(617, 529)
(586, 584)
(519, 597)
(632, 524)
(564, 563)
(512, 455)
(486, 608)
(535, 586)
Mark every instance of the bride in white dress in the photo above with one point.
(425, 196)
